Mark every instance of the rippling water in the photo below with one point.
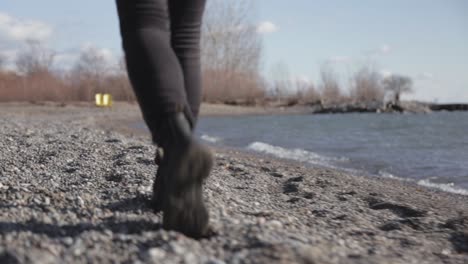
(431, 149)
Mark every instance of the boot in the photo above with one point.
(158, 192)
(185, 165)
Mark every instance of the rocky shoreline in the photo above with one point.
(75, 185)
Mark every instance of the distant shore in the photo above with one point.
(272, 108)
(219, 109)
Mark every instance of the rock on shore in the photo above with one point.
(71, 192)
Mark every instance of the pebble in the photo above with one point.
(261, 220)
(175, 248)
(68, 241)
(80, 201)
(275, 224)
(156, 253)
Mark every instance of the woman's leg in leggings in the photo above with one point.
(153, 67)
(186, 19)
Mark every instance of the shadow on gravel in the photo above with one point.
(460, 242)
(55, 231)
(130, 204)
(459, 238)
(401, 210)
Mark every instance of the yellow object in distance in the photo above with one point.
(107, 100)
(103, 100)
(98, 99)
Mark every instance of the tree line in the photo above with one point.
(232, 53)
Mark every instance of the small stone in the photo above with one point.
(156, 253)
(68, 241)
(164, 236)
(275, 224)
(446, 252)
(108, 232)
(80, 201)
(341, 242)
(78, 247)
(261, 220)
(189, 257)
(177, 249)
(8, 238)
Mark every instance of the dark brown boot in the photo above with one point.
(186, 164)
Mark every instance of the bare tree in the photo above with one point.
(92, 63)
(231, 51)
(89, 73)
(306, 92)
(3, 61)
(398, 84)
(366, 85)
(282, 84)
(35, 58)
(329, 86)
(119, 84)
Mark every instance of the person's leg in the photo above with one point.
(186, 19)
(153, 67)
(158, 82)
(185, 23)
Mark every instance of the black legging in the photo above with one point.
(161, 41)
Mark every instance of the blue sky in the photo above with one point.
(427, 40)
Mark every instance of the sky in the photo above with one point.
(426, 40)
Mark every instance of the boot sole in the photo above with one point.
(184, 209)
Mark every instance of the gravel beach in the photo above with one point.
(75, 182)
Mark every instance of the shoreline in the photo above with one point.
(213, 110)
(133, 110)
(76, 181)
(122, 119)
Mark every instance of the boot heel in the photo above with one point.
(185, 210)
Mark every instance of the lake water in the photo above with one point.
(429, 149)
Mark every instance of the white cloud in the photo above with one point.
(8, 56)
(386, 73)
(425, 76)
(302, 79)
(339, 59)
(384, 49)
(15, 29)
(105, 53)
(66, 60)
(266, 27)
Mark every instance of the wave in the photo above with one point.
(210, 138)
(316, 159)
(446, 187)
(293, 154)
(388, 175)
